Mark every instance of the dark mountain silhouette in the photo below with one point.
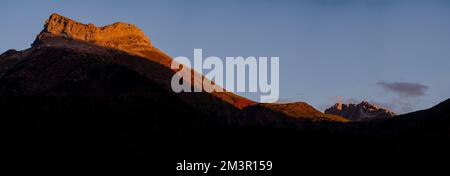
(70, 59)
(292, 115)
(103, 93)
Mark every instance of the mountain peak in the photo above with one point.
(119, 35)
(361, 111)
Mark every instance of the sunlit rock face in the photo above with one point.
(69, 58)
(361, 111)
(119, 35)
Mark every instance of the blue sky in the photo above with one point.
(395, 53)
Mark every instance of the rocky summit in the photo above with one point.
(86, 94)
(119, 35)
(361, 111)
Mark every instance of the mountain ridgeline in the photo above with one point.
(80, 80)
(361, 111)
(67, 52)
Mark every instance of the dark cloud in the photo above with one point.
(404, 88)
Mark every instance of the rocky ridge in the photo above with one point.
(119, 35)
(361, 111)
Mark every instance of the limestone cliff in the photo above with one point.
(119, 35)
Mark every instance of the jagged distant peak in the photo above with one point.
(118, 35)
(362, 111)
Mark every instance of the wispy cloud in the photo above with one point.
(285, 100)
(404, 89)
(399, 106)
